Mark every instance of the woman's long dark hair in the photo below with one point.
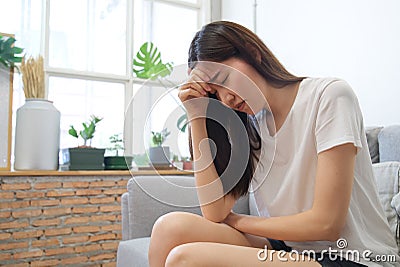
(217, 42)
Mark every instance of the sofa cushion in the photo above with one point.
(153, 196)
(387, 175)
(150, 197)
(133, 253)
(389, 143)
(372, 139)
(396, 206)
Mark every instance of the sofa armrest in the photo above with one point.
(125, 216)
(389, 143)
(150, 197)
(387, 177)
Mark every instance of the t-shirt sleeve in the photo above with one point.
(339, 118)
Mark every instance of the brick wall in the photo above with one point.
(60, 221)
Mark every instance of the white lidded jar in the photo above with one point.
(37, 136)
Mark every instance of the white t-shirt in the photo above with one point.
(325, 114)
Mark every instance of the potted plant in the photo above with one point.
(187, 163)
(159, 154)
(86, 157)
(117, 162)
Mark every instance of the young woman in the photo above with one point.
(303, 150)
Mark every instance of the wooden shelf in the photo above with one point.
(93, 173)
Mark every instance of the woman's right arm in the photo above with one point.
(215, 206)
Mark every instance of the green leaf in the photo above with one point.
(16, 59)
(9, 54)
(84, 125)
(73, 132)
(148, 63)
(158, 138)
(91, 129)
(182, 123)
(95, 119)
(9, 42)
(17, 50)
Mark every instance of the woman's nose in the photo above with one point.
(227, 99)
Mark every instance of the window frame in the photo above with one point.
(204, 10)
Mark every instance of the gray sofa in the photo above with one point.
(149, 197)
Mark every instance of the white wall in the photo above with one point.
(240, 11)
(357, 40)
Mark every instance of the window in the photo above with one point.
(88, 47)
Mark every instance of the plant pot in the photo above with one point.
(188, 165)
(159, 156)
(86, 158)
(118, 162)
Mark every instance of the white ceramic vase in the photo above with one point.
(37, 136)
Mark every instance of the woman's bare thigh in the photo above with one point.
(177, 228)
(223, 255)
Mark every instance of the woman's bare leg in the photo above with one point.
(223, 255)
(177, 228)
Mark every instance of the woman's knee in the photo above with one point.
(182, 255)
(173, 225)
(169, 231)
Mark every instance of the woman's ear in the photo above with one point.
(255, 52)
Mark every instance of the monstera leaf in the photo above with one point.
(182, 123)
(148, 63)
(9, 54)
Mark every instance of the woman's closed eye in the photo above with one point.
(225, 79)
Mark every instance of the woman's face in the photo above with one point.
(234, 82)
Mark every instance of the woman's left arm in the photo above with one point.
(326, 218)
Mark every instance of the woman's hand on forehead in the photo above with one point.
(200, 76)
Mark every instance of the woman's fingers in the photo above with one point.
(196, 86)
(201, 78)
(187, 93)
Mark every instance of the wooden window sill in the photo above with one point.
(93, 173)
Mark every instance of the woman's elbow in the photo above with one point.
(325, 226)
(216, 217)
(330, 232)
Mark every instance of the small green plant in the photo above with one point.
(175, 158)
(88, 131)
(9, 53)
(185, 159)
(117, 143)
(148, 63)
(158, 138)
